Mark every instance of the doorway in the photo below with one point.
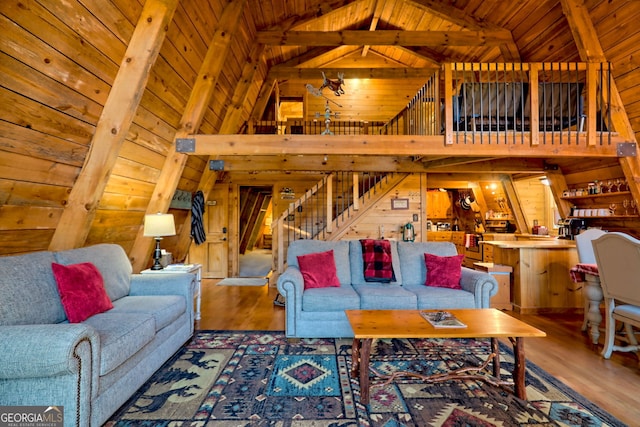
(255, 240)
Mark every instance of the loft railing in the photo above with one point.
(324, 209)
(503, 103)
(313, 127)
(540, 103)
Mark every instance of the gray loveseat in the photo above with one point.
(319, 312)
(90, 368)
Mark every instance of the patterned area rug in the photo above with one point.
(252, 378)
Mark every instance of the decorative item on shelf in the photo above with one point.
(158, 226)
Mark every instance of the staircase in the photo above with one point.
(330, 209)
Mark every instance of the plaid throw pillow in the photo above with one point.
(376, 257)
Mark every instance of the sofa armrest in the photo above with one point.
(291, 286)
(183, 284)
(481, 284)
(33, 351)
(163, 284)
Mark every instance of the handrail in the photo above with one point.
(492, 103)
(323, 209)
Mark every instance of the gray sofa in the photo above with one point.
(319, 312)
(90, 368)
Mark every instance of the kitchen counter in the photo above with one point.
(536, 243)
(540, 280)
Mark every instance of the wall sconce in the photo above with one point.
(158, 226)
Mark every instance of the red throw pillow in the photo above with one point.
(443, 271)
(81, 290)
(319, 270)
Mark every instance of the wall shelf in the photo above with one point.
(605, 217)
(597, 196)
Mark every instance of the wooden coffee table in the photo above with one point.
(490, 323)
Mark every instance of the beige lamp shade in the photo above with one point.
(159, 225)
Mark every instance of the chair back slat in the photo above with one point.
(618, 259)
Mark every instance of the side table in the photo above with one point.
(183, 268)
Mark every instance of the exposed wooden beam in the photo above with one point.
(230, 124)
(590, 49)
(113, 125)
(514, 202)
(380, 8)
(288, 73)
(198, 102)
(262, 100)
(396, 145)
(384, 38)
(297, 163)
(451, 13)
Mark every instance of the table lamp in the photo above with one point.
(157, 226)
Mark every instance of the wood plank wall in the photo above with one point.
(59, 59)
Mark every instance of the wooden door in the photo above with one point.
(213, 253)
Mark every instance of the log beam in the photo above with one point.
(197, 105)
(113, 125)
(384, 38)
(396, 145)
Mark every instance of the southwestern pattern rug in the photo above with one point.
(252, 378)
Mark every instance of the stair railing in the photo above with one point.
(323, 209)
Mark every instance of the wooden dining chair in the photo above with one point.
(592, 290)
(618, 260)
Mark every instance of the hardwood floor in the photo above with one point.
(566, 352)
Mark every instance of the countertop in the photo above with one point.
(534, 244)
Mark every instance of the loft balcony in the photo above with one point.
(471, 104)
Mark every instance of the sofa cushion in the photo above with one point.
(81, 290)
(121, 336)
(330, 299)
(340, 255)
(318, 270)
(357, 263)
(164, 308)
(412, 263)
(29, 290)
(443, 271)
(380, 296)
(112, 262)
(441, 298)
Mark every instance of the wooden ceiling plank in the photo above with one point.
(113, 125)
(448, 12)
(385, 37)
(195, 110)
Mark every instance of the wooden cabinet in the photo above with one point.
(439, 236)
(541, 281)
(502, 274)
(438, 205)
(487, 253)
(456, 237)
